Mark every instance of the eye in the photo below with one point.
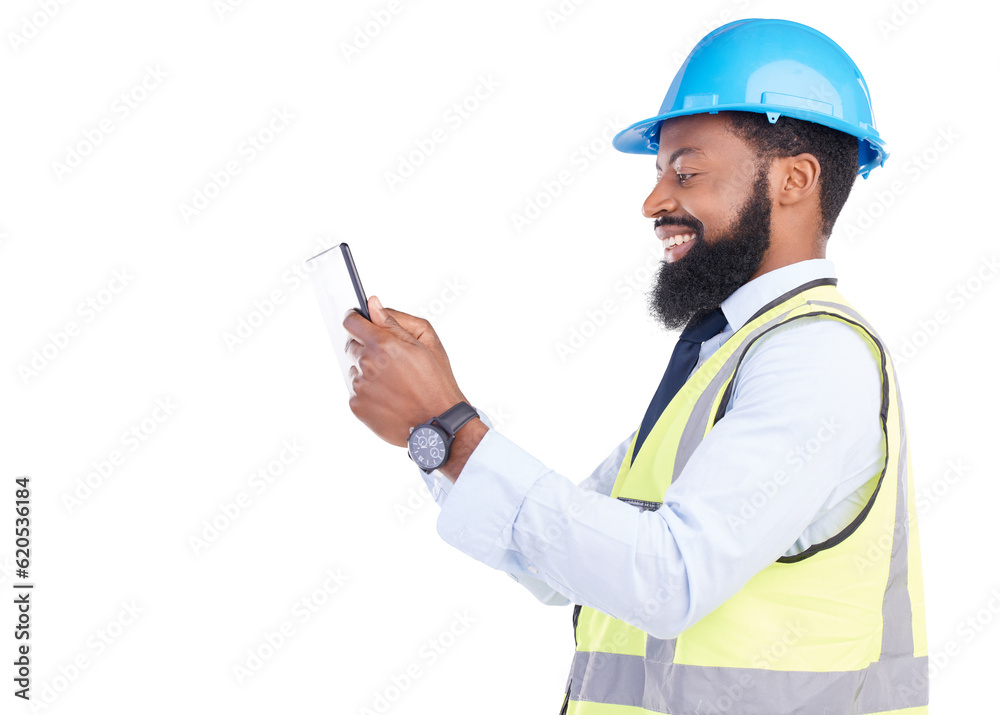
(683, 178)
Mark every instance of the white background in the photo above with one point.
(441, 244)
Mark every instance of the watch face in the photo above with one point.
(427, 447)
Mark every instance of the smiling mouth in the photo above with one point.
(676, 247)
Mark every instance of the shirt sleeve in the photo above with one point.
(601, 480)
(806, 399)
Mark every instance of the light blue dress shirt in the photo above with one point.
(791, 464)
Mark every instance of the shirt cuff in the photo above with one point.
(437, 484)
(482, 504)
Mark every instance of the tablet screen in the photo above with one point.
(337, 294)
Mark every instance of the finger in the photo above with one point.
(382, 318)
(353, 349)
(357, 327)
(417, 327)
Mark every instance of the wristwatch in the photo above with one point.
(429, 443)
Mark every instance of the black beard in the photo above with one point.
(709, 273)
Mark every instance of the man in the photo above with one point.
(752, 546)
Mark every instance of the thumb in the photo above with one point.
(381, 318)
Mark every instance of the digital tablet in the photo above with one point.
(338, 290)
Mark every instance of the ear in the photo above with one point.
(798, 178)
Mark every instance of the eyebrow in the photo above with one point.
(678, 154)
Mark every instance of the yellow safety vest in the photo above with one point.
(838, 629)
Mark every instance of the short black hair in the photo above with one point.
(836, 151)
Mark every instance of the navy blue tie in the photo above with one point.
(682, 362)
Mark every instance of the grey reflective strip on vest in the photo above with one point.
(694, 430)
(897, 613)
(687, 689)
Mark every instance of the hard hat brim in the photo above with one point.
(643, 137)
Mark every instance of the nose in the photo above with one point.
(660, 200)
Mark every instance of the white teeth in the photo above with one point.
(678, 240)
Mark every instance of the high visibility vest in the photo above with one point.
(836, 629)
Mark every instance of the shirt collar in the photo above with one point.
(755, 294)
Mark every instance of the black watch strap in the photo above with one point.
(452, 419)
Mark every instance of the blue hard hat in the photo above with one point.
(776, 67)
